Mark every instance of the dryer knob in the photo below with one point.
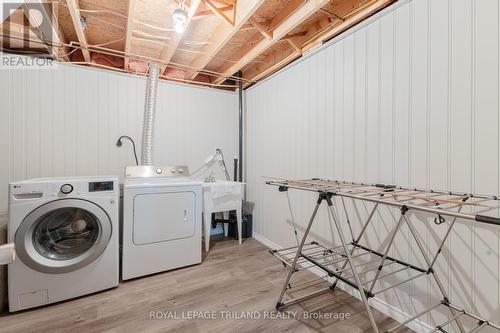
(66, 188)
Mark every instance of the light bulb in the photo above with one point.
(180, 18)
(179, 28)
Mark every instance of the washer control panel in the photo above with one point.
(157, 171)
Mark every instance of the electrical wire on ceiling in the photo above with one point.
(196, 43)
(99, 10)
(144, 34)
(220, 58)
(189, 43)
(91, 17)
(167, 77)
(152, 26)
(110, 42)
(109, 11)
(122, 54)
(68, 54)
(150, 41)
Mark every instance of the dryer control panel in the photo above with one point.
(143, 171)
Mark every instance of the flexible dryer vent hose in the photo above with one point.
(149, 115)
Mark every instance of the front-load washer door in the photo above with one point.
(63, 235)
(160, 217)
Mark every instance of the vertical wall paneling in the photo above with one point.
(486, 157)
(411, 97)
(460, 144)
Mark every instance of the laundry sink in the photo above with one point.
(222, 196)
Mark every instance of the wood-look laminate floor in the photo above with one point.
(244, 280)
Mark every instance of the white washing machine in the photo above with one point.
(66, 235)
(161, 220)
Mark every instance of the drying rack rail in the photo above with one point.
(364, 268)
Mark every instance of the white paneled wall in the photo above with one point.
(66, 121)
(412, 98)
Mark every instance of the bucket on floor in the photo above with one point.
(246, 227)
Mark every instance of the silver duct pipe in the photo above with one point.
(149, 115)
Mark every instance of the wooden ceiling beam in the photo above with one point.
(228, 2)
(218, 12)
(129, 31)
(208, 12)
(168, 52)
(301, 14)
(294, 45)
(223, 33)
(283, 14)
(74, 11)
(261, 28)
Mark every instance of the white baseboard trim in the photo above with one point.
(378, 304)
(265, 241)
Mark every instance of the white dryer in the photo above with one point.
(66, 235)
(161, 220)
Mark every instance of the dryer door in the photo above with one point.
(63, 235)
(161, 217)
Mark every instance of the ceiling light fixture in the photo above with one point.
(180, 18)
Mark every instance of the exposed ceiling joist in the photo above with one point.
(228, 2)
(129, 31)
(283, 14)
(261, 28)
(46, 32)
(168, 53)
(223, 33)
(294, 45)
(207, 12)
(74, 11)
(217, 11)
(301, 14)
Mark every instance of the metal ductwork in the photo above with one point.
(149, 115)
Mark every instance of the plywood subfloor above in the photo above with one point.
(220, 37)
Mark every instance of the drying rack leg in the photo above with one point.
(279, 304)
(428, 262)
(387, 248)
(444, 239)
(356, 241)
(351, 264)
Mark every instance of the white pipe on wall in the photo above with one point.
(149, 115)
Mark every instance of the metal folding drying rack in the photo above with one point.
(338, 262)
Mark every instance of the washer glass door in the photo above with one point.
(63, 235)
